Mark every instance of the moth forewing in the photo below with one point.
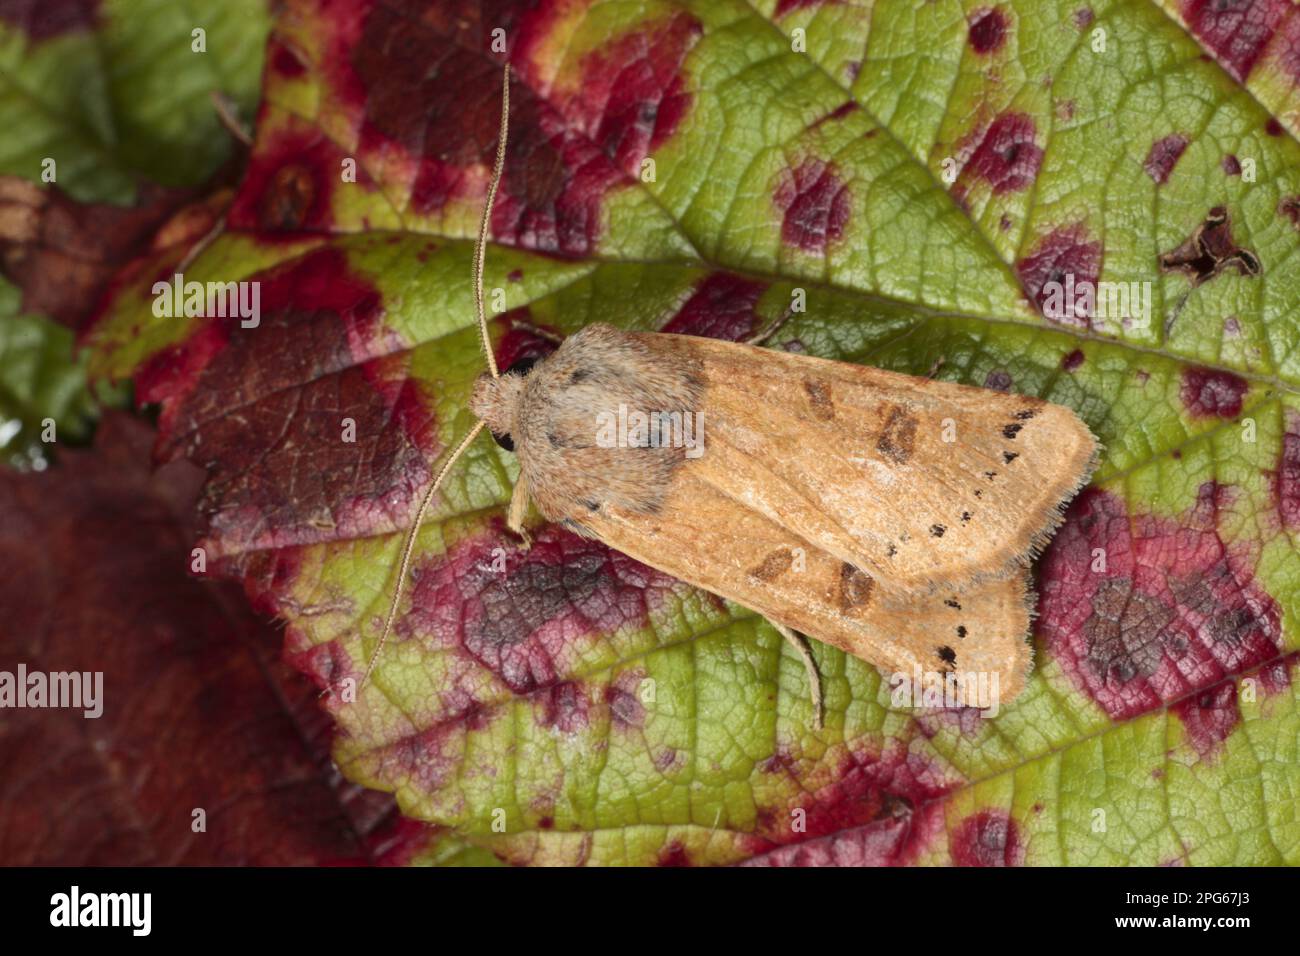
(926, 485)
(715, 542)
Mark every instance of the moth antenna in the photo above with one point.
(410, 547)
(483, 226)
(479, 248)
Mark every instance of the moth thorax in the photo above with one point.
(496, 401)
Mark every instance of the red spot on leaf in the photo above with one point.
(815, 203)
(1209, 393)
(520, 622)
(789, 6)
(289, 185)
(43, 19)
(1231, 165)
(674, 854)
(624, 699)
(1006, 157)
(879, 811)
(999, 379)
(987, 838)
(1169, 610)
(1286, 481)
(1209, 717)
(264, 410)
(564, 707)
(988, 30)
(522, 341)
(286, 62)
(841, 111)
(1275, 677)
(1235, 31)
(721, 307)
(1072, 360)
(1164, 153)
(632, 95)
(1273, 127)
(1083, 17)
(1066, 251)
(1289, 207)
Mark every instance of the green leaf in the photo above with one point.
(922, 173)
(115, 91)
(41, 382)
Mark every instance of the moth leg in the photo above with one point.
(518, 510)
(765, 333)
(800, 644)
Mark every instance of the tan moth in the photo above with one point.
(890, 516)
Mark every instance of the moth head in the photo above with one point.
(496, 401)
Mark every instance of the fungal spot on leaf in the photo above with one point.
(521, 623)
(1211, 393)
(987, 838)
(999, 380)
(563, 707)
(1209, 717)
(721, 307)
(854, 588)
(1210, 251)
(1162, 156)
(624, 700)
(50, 18)
(815, 205)
(1175, 611)
(289, 185)
(1289, 207)
(988, 30)
(1286, 480)
(773, 565)
(1235, 31)
(819, 398)
(898, 436)
(1066, 251)
(1006, 157)
(673, 855)
(878, 808)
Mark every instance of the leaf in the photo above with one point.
(194, 712)
(113, 90)
(923, 174)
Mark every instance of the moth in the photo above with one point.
(889, 516)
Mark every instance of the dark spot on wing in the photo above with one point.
(774, 565)
(937, 530)
(947, 655)
(1009, 456)
(961, 630)
(855, 587)
(819, 397)
(898, 437)
(1010, 431)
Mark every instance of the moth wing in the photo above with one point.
(706, 538)
(927, 485)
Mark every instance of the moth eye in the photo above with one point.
(504, 441)
(520, 366)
